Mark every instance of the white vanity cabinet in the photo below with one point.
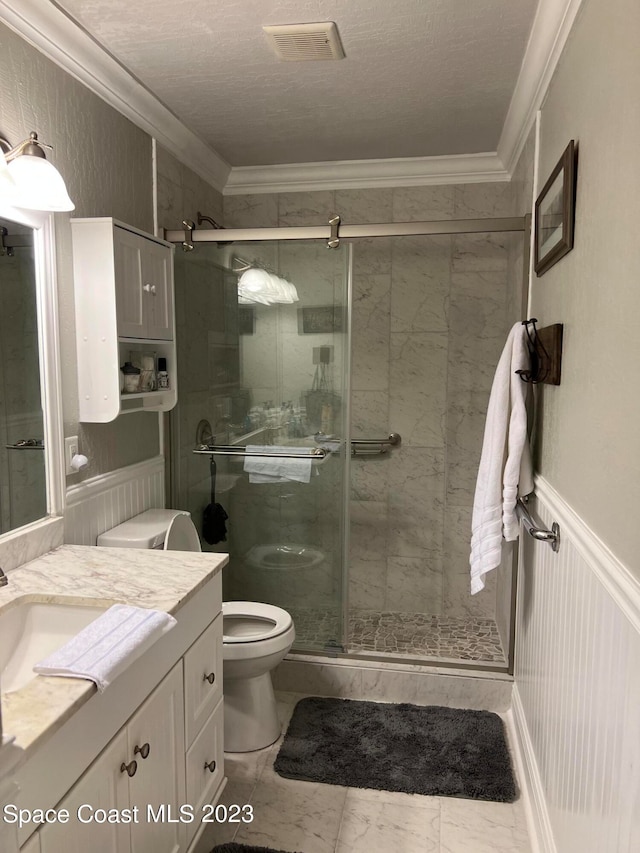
(164, 750)
(124, 306)
(122, 778)
(104, 786)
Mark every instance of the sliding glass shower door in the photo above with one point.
(263, 351)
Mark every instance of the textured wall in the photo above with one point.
(589, 447)
(430, 316)
(200, 311)
(106, 163)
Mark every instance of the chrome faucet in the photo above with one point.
(4, 580)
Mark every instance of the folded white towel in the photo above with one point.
(271, 469)
(107, 646)
(505, 466)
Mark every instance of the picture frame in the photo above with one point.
(320, 319)
(555, 213)
(246, 320)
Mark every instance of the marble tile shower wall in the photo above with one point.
(430, 316)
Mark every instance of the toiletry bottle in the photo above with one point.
(162, 376)
(131, 378)
(148, 375)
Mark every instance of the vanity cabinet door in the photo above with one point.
(103, 786)
(157, 730)
(203, 678)
(157, 287)
(32, 845)
(131, 299)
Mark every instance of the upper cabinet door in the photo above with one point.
(131, 299)
(157, 288)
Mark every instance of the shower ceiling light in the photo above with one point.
(37, 184)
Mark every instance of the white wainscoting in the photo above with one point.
(102, 502)
(576, 700)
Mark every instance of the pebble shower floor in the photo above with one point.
(410, 634)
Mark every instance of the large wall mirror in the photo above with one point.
(31, 473)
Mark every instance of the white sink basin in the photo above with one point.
(32, 630)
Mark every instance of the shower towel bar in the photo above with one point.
(551, 536)
(393, 439)
(374, 446)
(28, 444)
(316, 453)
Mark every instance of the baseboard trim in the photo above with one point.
(542, 839)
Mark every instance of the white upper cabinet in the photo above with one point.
(143, 285)
(123, 281)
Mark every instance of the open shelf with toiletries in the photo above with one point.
(125, 320)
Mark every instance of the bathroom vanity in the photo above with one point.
(152, 742)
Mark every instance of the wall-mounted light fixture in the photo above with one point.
(28, 180)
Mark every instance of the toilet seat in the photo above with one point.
(263, 621)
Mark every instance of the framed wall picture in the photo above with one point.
(555, 213)
(325, 319)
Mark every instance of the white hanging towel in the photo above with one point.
(273, 469)
(110, 644)
(505, 470)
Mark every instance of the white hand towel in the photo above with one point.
(272, 469)
(107, 646)
(505, 465)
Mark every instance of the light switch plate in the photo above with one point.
(70, 450)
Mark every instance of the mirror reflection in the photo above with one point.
(23, 496)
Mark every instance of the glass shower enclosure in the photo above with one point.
(397, 331)
(264, 370)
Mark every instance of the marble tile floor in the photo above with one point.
(410, 634)
(311, 817)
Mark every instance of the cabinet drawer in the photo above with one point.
(202, 782)
(203, 678)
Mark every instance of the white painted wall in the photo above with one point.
(589, 447)
(577, 671)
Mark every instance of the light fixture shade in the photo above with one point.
(39, 185)
(8, 187)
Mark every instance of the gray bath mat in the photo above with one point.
(443, 752)
(243, 848)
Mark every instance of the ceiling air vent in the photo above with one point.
(305, 42)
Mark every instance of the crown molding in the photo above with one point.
(549, 33)
(62, 40)
(366, 174)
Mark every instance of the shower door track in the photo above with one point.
(324, 232)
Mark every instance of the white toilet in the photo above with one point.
(256, 637)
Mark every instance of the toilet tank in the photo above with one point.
(147, 530)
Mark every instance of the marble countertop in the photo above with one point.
(79, 574)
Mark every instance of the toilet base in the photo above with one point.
(250, 713)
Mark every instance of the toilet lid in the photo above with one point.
(252, 621)
(182, 535)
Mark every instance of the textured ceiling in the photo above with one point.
(421, 77)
